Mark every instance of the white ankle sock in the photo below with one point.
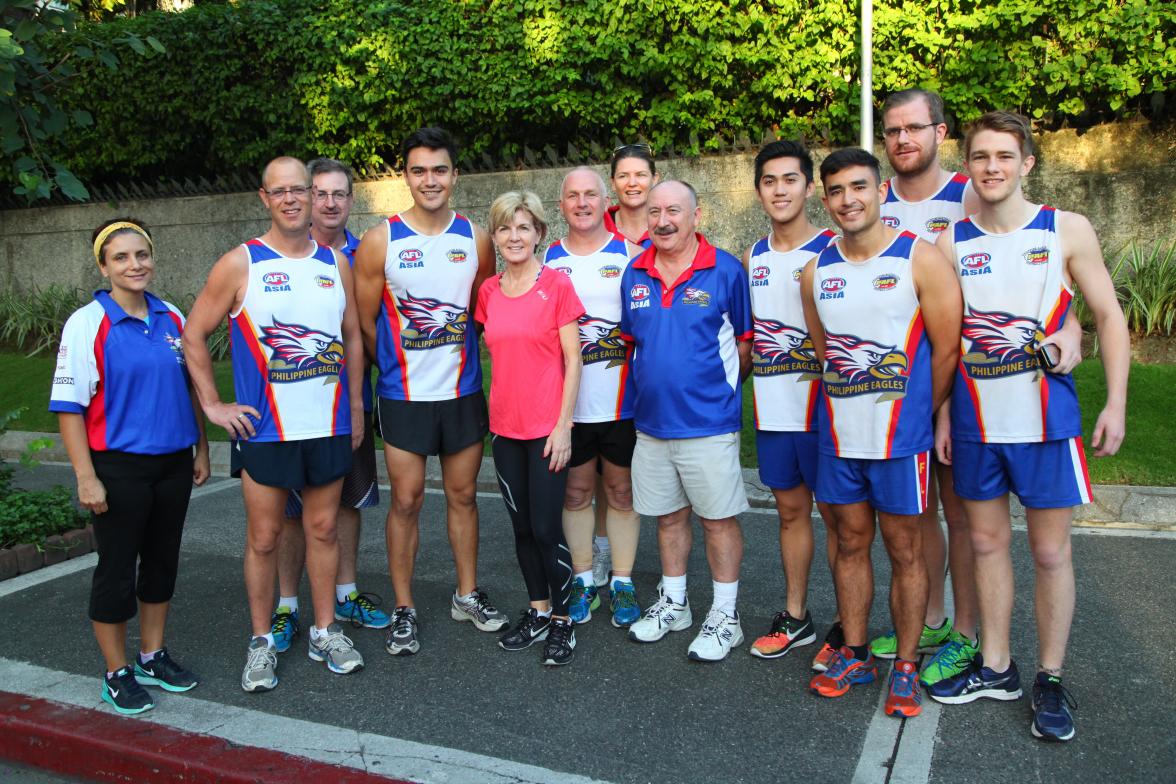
(343, 591)
(586, 578)
(675, 588)
(618, 579)
(725, 596)
(317, 633)
(288, 601)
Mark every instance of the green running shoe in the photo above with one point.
(886, 646)
(953, 658)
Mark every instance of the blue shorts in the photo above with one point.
(786, 459)
(896, 486)
(1043, 475)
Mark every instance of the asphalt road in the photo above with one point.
(625, 712)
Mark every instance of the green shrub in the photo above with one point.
(238, 84)
(1145, 284)
(30, 516)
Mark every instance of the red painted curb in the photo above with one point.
(101, 746)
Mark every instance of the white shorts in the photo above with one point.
(703, 473)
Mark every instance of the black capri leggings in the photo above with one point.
(147, 499)
(534, 498)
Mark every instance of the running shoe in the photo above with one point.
(903, 697)
(834, 639)
(165, 672)
(477, 608)
(402, 637)
(336, 649)
(1052, 704)
(785, 634)
(362, 609)
(560, 647)
(531, 628)
(284, 627)
(719, 634)
(601, 565)
(662, 617)
(950, 660)
(978, 681)
(125, 694)
(623, 603)
(585, 599)
(844, 672)
(886, 646)
(261, 666)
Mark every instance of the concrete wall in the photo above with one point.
(1120, 176)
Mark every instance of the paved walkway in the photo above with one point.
(464, 711)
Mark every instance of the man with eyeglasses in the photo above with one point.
(331, 200)
(416, 274)
(925, 199)
(297, 373)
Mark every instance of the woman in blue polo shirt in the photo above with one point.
(129, 423)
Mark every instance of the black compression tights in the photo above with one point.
(534, 498)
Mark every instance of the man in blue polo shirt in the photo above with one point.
(686, 311)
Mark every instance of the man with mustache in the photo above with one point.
(883, 309)
(330, 207)
(297, 371)
(594, 258)
(686, 309)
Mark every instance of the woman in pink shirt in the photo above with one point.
(529, 315)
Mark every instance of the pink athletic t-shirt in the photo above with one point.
(527, 367)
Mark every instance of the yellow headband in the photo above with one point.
(111, 229)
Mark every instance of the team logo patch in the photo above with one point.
(885, 282)
(856, 366)
(891, 221)
(936, 225)
(457, 255)
(63, 352)
(1037, 256)
(564, 270)
(411, 258)
(276, 281)
(176, 344)
(778, 349)
(698, 297)
(975, 264)
(638, 296)
(324, 281)
(299, 353)
(611, 271)
(832, 288)
(1000, 344)
(759, 276)
(430, 323)
(796, 273)
(600, 341)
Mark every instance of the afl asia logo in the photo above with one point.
(759, 276)
(411, 258)
(833, 288)
(1036, 256)
(885, 282)
(276, 281)
(891, 221)
(639, 296)
(975, 264)
(936, 225)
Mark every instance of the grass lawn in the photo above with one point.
(1147, 457)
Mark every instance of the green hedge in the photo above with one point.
(241, 83)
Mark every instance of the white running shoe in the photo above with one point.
(662, 617)
(720, 633)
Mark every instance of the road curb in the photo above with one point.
(1113, 506)
(104, 747)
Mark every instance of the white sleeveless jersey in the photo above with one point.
(929, 217)
(785, 372)
(604, 384)
(877, 379)
(287, 343)
(426, 347)
(1015, 294)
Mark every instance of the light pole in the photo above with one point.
(866, 139)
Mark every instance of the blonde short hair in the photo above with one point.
(506, 205)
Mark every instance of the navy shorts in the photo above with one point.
(896, 486)
(311, 462)
(1043, 475)
(787, 459)
(359, 485)
(614, 441)
(433, 427)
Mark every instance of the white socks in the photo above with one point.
(675, 588)
(725, 595)
(288, 601)
(586, 578)
(343, 591)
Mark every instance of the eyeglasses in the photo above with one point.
(641, 146)
(336, 195)
(298, 192)
(911, 130)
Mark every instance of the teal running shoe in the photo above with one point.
(361, 610)
(623, 604)
(284, 627)
(585, 599)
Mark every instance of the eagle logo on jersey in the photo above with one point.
(299, 353)
(601, 341)
(693, 296)
(856, 366)
(430, 323)
(778, 349)
(176, 344)
(1001, 344)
